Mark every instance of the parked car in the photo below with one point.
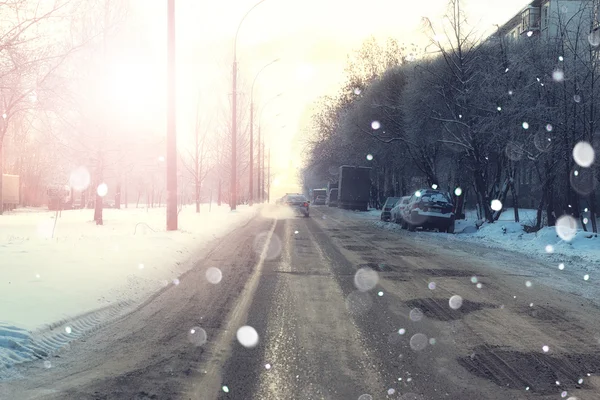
(332, 199)
(429, 209)
(396, 212)
(299, 203)
(390, 202)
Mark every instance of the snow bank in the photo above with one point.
(57, 286)
(510, 235)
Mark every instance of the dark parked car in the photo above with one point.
(386, 211)
(429, 209)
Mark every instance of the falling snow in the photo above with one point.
(496, 205)
(416, 314)
(583, 154)
(247, 336)
(418, 342)
(214, 275)
(558, 75)
(366, 279)
(102, 190)
(566, 227)
(197, 336)
(455, 302)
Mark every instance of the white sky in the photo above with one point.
(311, 37)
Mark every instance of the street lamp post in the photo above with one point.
(268, 179)
(233, 199)
(171, 132)
(252, 132)
(261, 189)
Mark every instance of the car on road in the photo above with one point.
(429, 209)
(390, 202)
(298, 203)
(320, 200)
(396, 212)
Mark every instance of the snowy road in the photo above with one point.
(432, 322)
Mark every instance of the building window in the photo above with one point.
(545, 16)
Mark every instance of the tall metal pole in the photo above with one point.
(233, 199)
(263, 169)
(171, 132)
(251, 177)
(269, 178)
(252, 138)
(233, 195)
(258, 187)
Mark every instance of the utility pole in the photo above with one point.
(258, 170)
(269, 178)
(171, 132)
(251, 200)
(233, 200)
(98, 204)
(263, 164)
(233, 195)
(260, 195)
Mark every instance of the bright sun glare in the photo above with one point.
(135, 87)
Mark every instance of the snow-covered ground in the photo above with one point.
(63, 277)
(508, 234)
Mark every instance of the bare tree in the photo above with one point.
(197, 162)
(27, 59)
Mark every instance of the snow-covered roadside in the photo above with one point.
(58, 287)
(509, 235)
(571, 267)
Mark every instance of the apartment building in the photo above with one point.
(548, 17)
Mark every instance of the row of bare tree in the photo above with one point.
(476, 114)
(60, 125)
